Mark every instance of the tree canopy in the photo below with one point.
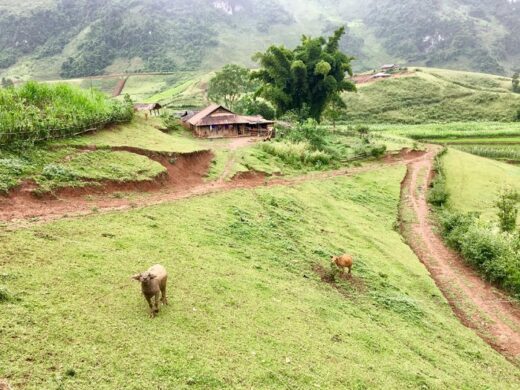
(304, 80)
(229, 85)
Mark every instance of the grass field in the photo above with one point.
(507, 153)
(434, 95)
(63, 164)
(245, 305)
(52, 168)
(474, 182)
(143, 134)
(456, 132)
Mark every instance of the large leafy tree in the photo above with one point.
(229, 85)
(304, 80)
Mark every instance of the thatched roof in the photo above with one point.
(223, 117)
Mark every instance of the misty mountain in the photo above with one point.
(75, 38)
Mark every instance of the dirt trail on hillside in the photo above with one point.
(185, 179)
(478, 304)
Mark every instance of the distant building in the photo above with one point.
(152, 108)
(217, 121)
(390, 67)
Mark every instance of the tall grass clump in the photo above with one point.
(297, 154)
(35, 112)
(438, 194)
(308, 144)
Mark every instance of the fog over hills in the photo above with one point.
(76, 38)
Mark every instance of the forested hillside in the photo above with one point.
(76, 38)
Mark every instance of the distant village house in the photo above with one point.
(390, 67)
(152, 108)
(217, 121)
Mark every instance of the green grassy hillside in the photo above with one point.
(75, 38)
(474, 182)
(246, 308)
(433, 95)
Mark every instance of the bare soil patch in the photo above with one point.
(369, 79)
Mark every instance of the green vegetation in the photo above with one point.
(508, 210)
(143, 134)
(516, 82)
(433, 96)
(454, 133)
(508, 153)
(188, 93)
(476, 35)
(229, 85)
(482, 194)
(36, 112)
(306, 79)
(63, 163)
(493, 253)
(474, 183)
(241, 265)
(438, 194)
(98, 166)
(77, 37)
(53, 168)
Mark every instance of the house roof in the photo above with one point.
(204, 117)
(388, 66)
(195, 119)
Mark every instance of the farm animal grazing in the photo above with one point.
(343, 262)
(153, 283)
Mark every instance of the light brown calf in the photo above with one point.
(343, 262)
(153, 283)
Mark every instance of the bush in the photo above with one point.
(171, 122)
(507, 210)
(438, 194)
(493, 253)
(297, 154)
(307, 132)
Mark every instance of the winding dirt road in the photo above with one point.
(479, 305)
(185, 179)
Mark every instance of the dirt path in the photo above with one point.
(185, 179)
(478, 304)
(234, 145)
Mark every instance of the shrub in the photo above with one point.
(307, 132)
(507, 210)
(297, 154)
(495, 254)
(438, 194)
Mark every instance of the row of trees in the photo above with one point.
(306, 82)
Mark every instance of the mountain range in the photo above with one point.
(47, 39)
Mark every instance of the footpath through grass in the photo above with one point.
(246, 308)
